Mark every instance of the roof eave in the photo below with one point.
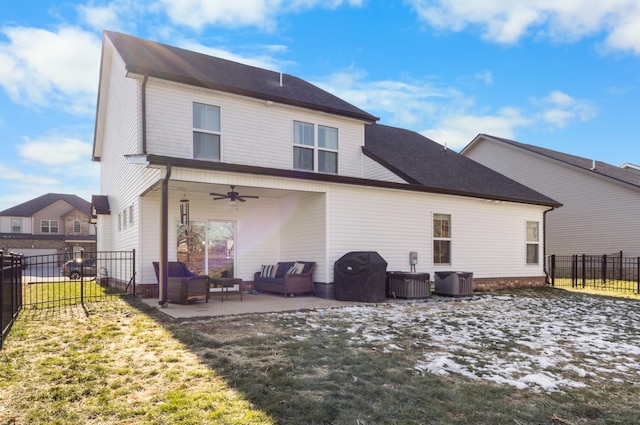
(158, 161)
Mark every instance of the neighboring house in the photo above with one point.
(49, 224)
(601, 202)
(174, 125)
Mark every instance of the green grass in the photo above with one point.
(129, 364)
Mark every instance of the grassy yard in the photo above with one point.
(528, 357)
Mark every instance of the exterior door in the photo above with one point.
(207, 247)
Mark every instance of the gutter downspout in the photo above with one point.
(144, 114)
(164, 239)
(544, 245)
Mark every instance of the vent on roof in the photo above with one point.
(593, 165)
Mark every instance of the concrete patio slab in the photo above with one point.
(261, 303)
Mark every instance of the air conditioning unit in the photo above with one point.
(454, 284)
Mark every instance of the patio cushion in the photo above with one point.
(267, 271)
(283, 268)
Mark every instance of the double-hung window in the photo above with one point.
(76, 226)
(441, 239)
(206, 131)
(49, 226)
(16, 225)
(533, 242)
(320, 156)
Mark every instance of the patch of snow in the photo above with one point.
(528, 342)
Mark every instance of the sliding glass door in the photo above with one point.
(208, 247)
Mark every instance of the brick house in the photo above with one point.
(49, 224)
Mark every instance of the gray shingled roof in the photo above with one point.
(626, 175)
(146, 57)
(29, 208)
(422, 161)
(101, 204)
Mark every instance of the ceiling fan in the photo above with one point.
(232, 196)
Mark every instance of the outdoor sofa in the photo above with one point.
(183, 286)
(287, 278)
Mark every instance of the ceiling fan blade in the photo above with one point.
(220, 197)
(239, 198)
(217, 194)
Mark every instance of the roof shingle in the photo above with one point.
(626, 175)
(420, 160)
(30, 208)
(146, 57)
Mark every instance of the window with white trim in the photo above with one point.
(441, 239)
(206, 131)
(49, 226)
(76, 226)
(311, 156)
(16, 225)
(533, 242)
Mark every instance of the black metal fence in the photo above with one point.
(54, 282)
(612, 272)
(10, 291)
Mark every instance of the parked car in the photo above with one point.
(74, 269)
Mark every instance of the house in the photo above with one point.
(49, 224)
(230, 167)
(600, 201)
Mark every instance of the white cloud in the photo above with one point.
(55, 151)
(458, 130)
(404, 104)
(259, 13)
(559, 109)
(59, 69)
(446, 114)
(19, 177)
(506, 21)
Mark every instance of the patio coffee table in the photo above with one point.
(226, 283)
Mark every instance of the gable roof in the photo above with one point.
(422, 161)
(170, 63)
(627, 174)
(30, 208)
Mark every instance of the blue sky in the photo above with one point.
(563, 75)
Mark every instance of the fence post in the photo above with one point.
(584, 270)
(1, 298)
(553, 270)
(638, 273)
(604, 270)
(134, 272)
(82, 276)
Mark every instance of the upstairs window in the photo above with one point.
(327, 149)
(441, 239)
(533, 242)
(206, 131)
(49, 226)
(16, 225)
(76, 226)
(311, 156)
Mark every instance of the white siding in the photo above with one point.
(252, 132)
(488, 238)
(121, 181)
(375, 171)
(598, 216)
(303, 235)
